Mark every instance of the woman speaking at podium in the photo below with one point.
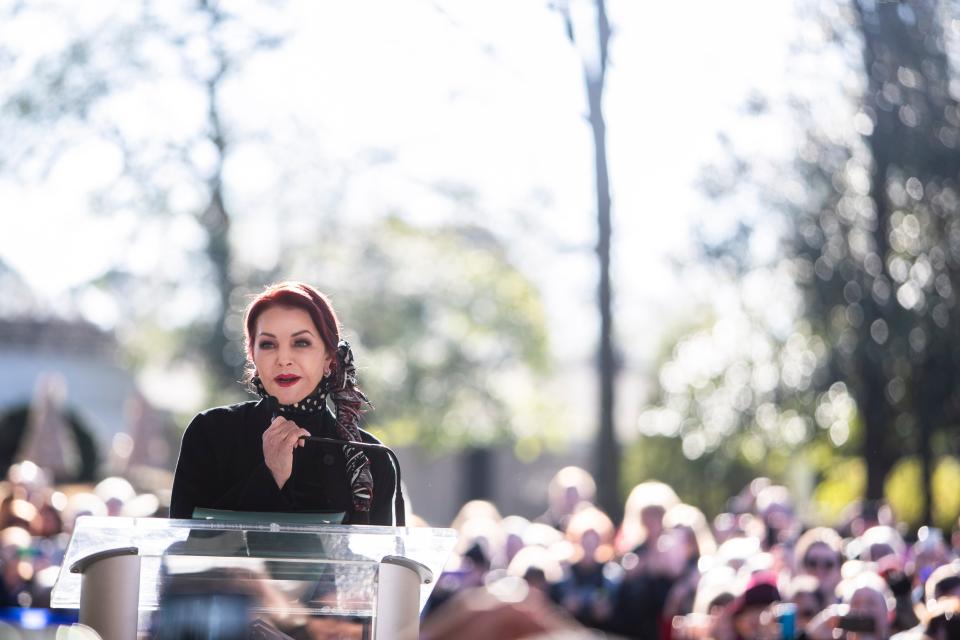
(252, 456)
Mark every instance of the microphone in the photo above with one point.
(398, 502)
(399, 507)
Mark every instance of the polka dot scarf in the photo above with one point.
(341, 387)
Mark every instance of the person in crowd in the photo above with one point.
(689, 516)
(742, 553)
(252, 456)
(512, 528)
(774, 507)
(538, 566)
(569, 489)
(943, 582)
(115, 493)
(819, 553)
(48, 521)
(805, 594)
(479, 534)
(938, 593)
(926, 554)
(82, 503)
(474, 510)
(689, 530)
(16, 568)
(590, 588)
(715, 593)
(864, 614)
(883, 547)
(643, 515)
(480, 613)
(652, 566)
(715, 590)
(943, 622)
(870, 599)
(746, 612)
(746, 500)
(543, 535)
(879, 542)
(466, 569)
(17, 512)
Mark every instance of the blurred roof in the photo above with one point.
(56, 334)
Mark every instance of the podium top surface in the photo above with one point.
(325, 569)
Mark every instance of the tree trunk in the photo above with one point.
(607, 451)
(873, 403)
(606, 454)
(926, 466)
(216, 222)
(876, 420)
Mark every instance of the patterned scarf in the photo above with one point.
(341, 387)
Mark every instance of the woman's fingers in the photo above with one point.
(285, 431)
(279, 441)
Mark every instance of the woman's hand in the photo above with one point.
(279, 441)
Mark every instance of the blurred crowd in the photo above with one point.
(754, 572)
(36, 520)
(667, 572)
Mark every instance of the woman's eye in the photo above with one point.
(266, 345)
(302, 343)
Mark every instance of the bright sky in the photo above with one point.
(486, 96)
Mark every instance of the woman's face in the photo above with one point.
(821, 561)
(288, 353)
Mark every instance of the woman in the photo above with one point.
(819, 553)
(252, 456)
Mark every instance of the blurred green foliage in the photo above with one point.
(869, 364)
(708, 483)
(451, 338)
(845, 481)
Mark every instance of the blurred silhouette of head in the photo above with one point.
(568, 488)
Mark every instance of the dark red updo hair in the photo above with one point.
(299, 296)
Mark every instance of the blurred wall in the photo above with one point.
(97, 387)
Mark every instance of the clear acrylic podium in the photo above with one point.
(133, 577)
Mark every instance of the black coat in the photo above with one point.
(221, 466)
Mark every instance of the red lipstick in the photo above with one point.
(286, 380)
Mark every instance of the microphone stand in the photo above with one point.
(399, 507)
(398, 503)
